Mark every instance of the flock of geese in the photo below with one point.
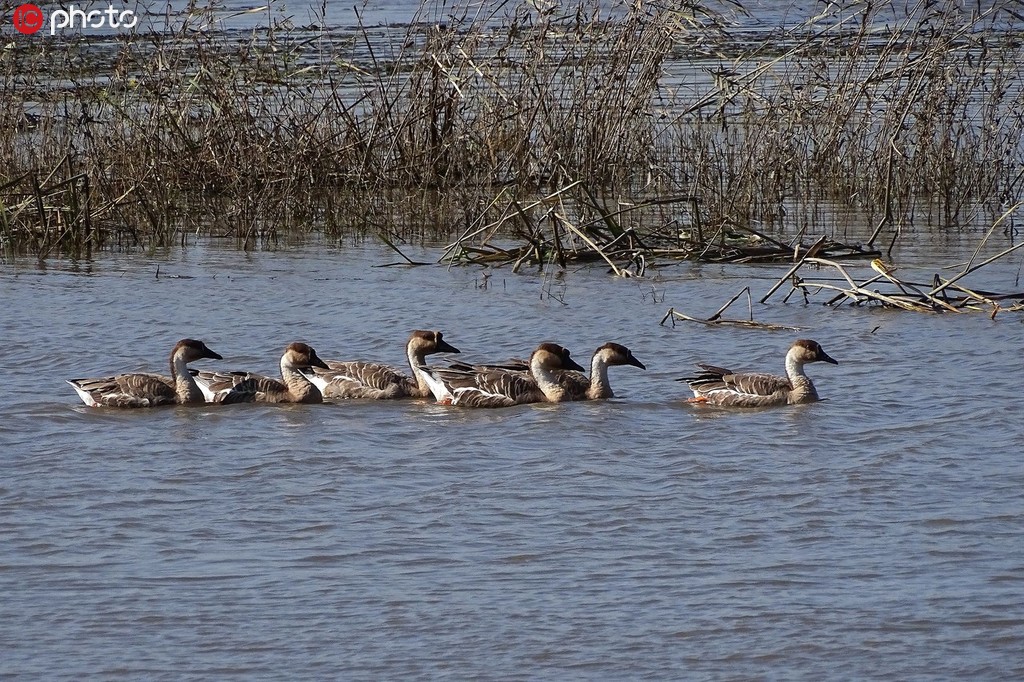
(550, 375)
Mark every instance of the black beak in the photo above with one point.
(315, 361)
(569, 363)
(825, 357)
(445, 347)
(211, 355)
(636, 363)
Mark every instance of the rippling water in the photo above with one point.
(875, 534)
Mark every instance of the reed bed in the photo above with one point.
(661, 133)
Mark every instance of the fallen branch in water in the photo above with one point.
(904, 294)
(717, 320)
(811, 252)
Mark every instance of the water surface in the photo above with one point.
(877, 534)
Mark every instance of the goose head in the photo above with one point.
(550, 356)
(301, 356)
(617, 354)
(806, 350)
(190, 350)
(429, 342)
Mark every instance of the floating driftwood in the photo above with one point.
(572, 226)
(886, 289)
(717, 319)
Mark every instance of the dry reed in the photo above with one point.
(439, 129)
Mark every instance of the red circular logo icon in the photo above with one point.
(28, 19)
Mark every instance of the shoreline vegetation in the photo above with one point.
(523, 136)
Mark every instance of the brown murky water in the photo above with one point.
(877, 534)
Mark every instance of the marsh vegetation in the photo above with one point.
(525, 135)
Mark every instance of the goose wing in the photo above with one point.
(757, 384)
(126, 390)
(725, 387)
(253, 388)
(513, 365)
(236, 387)
(497, 389)
(575, 383)
(361, 380)
(493, 388)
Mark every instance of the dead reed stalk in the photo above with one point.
(910, 117)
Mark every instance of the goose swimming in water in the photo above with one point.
(246, 387)
(149, 390)
(381, 382)
(485, 387)
(719, 386)
(597, 386)
(576, 384)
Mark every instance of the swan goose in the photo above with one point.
(356, 379)
(492, 387)
(149, 390)
(597, 386)
(246, 387)
(577, 385)
(723, 387)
